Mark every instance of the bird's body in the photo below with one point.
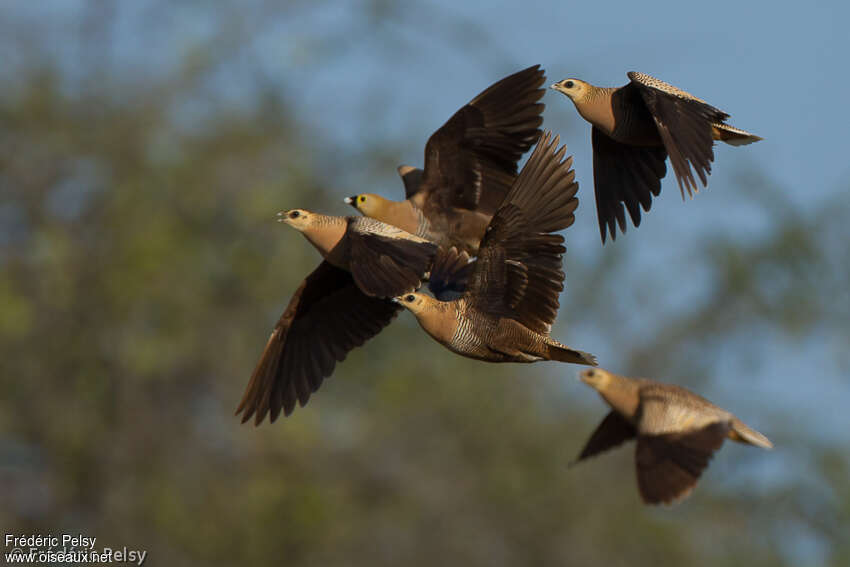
(635, 128)
(470, 164)
(473, 333)
(512, 297)
(677, 432)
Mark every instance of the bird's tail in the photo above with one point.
(563, 353)
(732, 135)
(743, 434)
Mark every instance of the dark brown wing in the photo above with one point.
(518, 273)
(624, 175)
(450, 274)
(669, 465)
(386, 261)
(613, 431)
(684, 123)
(471, 161)
(327, 317)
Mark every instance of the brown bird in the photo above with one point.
(677, 432)
(340, 305)
(383, 259)
(470, 164)
(635, 128)
(507, 312)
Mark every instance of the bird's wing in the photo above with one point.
(684, 123)
(471, 161)
(624, 175)
(518, 273)
(387, 261)
(450, 273)
(669, 465)
(614, 430)
(326, 317)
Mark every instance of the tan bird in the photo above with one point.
(470, 164)
(677, 432)
(507, 312)
(383, 259)
(635, 128)
(341, 304)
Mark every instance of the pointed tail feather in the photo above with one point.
(743, 434)
(563, 353)
(731, 135)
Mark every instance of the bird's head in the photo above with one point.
(575, 89)
(596, 378)
(299, 219)
(368, 204)
(415, 302)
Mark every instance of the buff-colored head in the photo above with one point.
(416, 303)
(596, 378)
(369, 204)
(577, 91)
(299, 219)
(322, 231)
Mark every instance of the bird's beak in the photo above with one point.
(350, 200)
(281, 216)
(556, 87)
(586, 376)
(395, 300)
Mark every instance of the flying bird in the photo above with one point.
(677, 432)
(341, 304)
(635, 128)
(511, 301)
(382, 259)
(470, 164)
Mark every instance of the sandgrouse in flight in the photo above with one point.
(340, 305)
(676, 430)
(511, 301)
(635, 128)
(470, 164)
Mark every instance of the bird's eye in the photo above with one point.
(410, 298)
(569, 85)
(294, 214)
(361, 198)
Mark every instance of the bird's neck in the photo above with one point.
(401, 214)
(622, 395)
(596, 109)
(325, 233)
(439, 320)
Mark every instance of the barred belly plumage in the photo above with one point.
(465, 338)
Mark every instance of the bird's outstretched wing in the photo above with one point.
(518, 273)
(669, 465)
(471, 161)
(685, 125)
(614, 430)
(326, 318)
(624, 175)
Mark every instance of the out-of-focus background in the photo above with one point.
(145, 148)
